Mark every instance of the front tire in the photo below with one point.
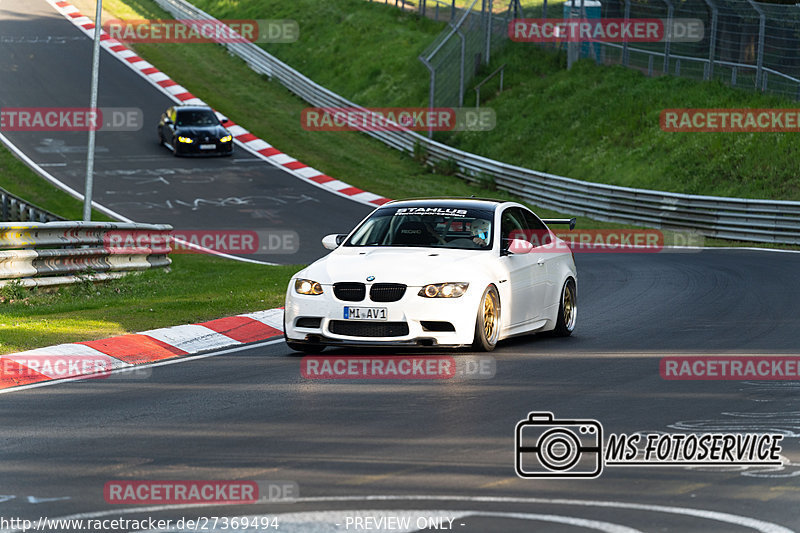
(567, 310)
(487, 323)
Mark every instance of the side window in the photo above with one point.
(535, 230)
(512, 224)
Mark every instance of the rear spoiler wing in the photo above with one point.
(570, 221)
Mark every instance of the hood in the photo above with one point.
(413, 266)
(212, 132)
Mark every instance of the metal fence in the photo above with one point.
(728, 218)
(15, 209)
(746, 44)
(454, 58)
(435, 9)
(59, 253)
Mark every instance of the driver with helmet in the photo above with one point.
(480, 232)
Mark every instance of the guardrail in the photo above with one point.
(15, 209)
(59, 253)
(721, 217)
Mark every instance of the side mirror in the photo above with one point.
(223, 120)
(516, 246)
(167, 120)
(332, 241)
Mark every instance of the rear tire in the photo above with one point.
(567, 310)
(487, 323)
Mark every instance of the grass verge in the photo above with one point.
(593, 122)
(198, 288)
(18, 179)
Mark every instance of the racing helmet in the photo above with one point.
(480, 228)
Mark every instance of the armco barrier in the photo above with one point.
(15, 209)
(727, 218)
(58, 253)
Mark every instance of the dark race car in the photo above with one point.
(194, 130)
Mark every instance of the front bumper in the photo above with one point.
(194, 149)
(411, 321)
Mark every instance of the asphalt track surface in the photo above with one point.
(446, 447)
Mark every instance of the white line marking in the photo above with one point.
(758, 525)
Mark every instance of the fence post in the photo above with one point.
(462, 61)
(760, 54)
(488, 5)
(670, 11)
(4, 200)
(432, 90)
(712, 44)
(627, 16)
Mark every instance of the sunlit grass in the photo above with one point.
(198, 288)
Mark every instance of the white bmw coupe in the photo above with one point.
(435, 272)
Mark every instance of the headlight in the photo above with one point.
(187, 140)
(443, 290)
(307, 286)
(226, 139)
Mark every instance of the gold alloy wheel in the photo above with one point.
(490, 308)
(569, 307)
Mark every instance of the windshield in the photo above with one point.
(196, 117)
(433, 226)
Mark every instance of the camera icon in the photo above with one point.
(550, 448)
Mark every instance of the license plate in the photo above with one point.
(207, 146)
(364, 313)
